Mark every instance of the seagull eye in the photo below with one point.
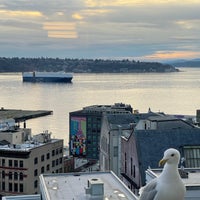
(172, 155)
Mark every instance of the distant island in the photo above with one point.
(186, 63)
(16, 64)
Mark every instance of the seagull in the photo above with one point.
(169, 185)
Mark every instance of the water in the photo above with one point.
(172, 93)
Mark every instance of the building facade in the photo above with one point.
(21, 162)
(85, 128)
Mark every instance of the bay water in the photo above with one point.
(172, 93)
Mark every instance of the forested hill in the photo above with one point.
(81, 65)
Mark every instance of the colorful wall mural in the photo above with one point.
(78, 136)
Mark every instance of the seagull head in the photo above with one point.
(171, 156)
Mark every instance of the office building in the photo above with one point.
(24, 157)
(85, 128)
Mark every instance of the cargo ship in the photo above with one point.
(57, 77)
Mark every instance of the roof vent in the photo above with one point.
(95, 188)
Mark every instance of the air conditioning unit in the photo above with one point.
(95, 188)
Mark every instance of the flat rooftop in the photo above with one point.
(193, 178)
(22, 115)
(72, 186)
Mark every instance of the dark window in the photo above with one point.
(3, 162)
(21, 176)
(48, 156)
(21, 187)
(10, 163)
(15, 187)
(15, 175)
(42, 158)
(10, 187)
(53, 163)
(61, 150)
(3, 174)
(131, 166)
(10, 175)
(125, 164)
(42, 170)
(35, 172)
(3, 185)
(48, 167)
(60, 160)
(15, 163)
(36, 160)
(35, 184)
(53, 152)
(56, 151)
(56, 161)
(21, 163)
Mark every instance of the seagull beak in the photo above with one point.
(162, 162)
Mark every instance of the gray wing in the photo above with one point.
(149, 191)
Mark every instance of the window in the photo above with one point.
(10, 175)
(10, 187)
(15, 163)
(15, 187)
(21, 163)
(53, 152)
(48, 156)
(3, 162)
(35, 184)
(42, 170)
(53, 163)
(10, 163)
(35, 172)
(191, 156)
(21, 187)
(125, 164)
(3, 185)
(3, 174)
(61, 160)
(36, 160)
(21, 176)
(42, 158)
(56, 162)
(15, 176)
(131, 166)
(48, 167)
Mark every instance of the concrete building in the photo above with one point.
(191, 181)
(85, 128)
(84, 186)
(24, 157)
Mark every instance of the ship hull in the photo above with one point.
(53, 77)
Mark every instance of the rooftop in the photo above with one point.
(192, 179)
(76, 186)
(22, 115)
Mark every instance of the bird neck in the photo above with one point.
(171, 170)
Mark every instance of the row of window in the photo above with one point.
(12, 175)
(12, 163)
(53, 153)
(54, 163)
(12, 187)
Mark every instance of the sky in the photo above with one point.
(145, 30)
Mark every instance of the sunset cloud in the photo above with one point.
(143, 29)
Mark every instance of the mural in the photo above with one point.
(78, 136)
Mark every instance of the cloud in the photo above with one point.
(60, 30)
(123, 28)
